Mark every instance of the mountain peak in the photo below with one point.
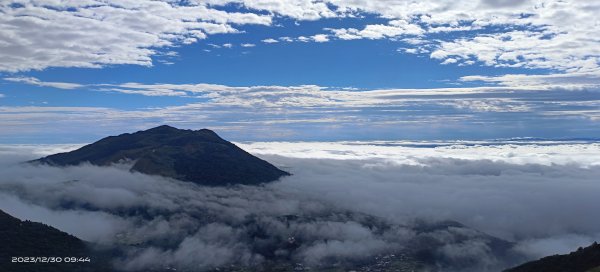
(166, 129)
(162, 128)
(199, 156)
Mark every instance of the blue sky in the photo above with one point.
(300, 70)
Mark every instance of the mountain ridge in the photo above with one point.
(582, 260)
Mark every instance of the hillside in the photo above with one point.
(30, 239)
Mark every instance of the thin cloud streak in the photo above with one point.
(295, 112)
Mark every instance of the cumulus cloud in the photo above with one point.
(394, 29)
(525, 34)
(526, 49)
(96, 33)
(345, 201)
(545, 42)
(303, 39)
(320, 38)
(553, 35)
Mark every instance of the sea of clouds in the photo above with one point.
(541, 196)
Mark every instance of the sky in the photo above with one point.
(300, 70)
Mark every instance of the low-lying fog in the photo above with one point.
(542, 197)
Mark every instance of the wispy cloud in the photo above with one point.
(394, 28)
(292, 112)
(37, 82)
(270, 40)
(566, 81)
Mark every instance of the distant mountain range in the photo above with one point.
(583, 260)
(198, 156)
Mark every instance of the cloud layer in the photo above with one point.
(559, 109)
(338, 193)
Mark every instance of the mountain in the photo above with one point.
(29, 239)
(199, 156)
(583, 260)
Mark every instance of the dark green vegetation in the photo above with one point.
(29, 239)
(583, 260)
(199, 156)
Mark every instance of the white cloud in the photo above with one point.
(449, 61)
(37, 82)
(516, 151)
(270, 40)
(510, 164)
(296, 9)
(147, 92)
(293, 96)
(303, 39)
(490, 105)
(36, 35)
(289, 111)
(552, 34)
(409, 50)
(524, 49)
(345, 33)
(248, 45)
(227, 45)
(502, 98)
(548, 81)
(394, 29)
(170, 54)
(320, 38)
